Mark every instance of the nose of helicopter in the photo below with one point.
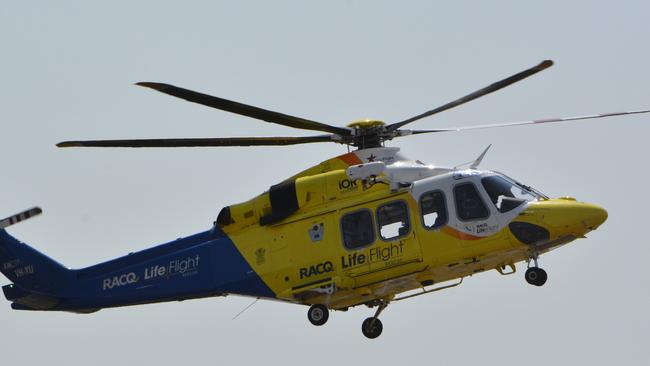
(594, 216)
(556, 219)
(568, 217)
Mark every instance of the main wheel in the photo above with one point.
(318, 314)
(370, 329)
(536, 276)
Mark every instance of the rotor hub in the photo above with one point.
(366, 133)
(366, 124)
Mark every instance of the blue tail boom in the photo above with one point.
(200, 265)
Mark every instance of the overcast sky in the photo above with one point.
(66, 72)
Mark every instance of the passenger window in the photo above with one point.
(357, 229)
(393, 220)
(469, 205)
(433, 209)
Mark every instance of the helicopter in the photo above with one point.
(369, 227)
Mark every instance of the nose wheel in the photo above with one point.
(535, 275)
(318, 314)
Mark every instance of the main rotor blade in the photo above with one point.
(201, 142)
(522, 123)
(479, 93)
(244, 109)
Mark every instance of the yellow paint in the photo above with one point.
(280, 251)
(364, 124)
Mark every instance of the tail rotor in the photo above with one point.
(27, 214)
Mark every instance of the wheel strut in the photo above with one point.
(382, 305)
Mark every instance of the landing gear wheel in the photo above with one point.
(372, 328)
(536, 276)
(318, 314)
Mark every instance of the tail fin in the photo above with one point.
(26, 267)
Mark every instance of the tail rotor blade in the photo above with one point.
(11, 220)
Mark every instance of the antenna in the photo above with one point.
(246, 308)
(474, 163)
(478, 160)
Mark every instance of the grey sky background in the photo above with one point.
(66, 71)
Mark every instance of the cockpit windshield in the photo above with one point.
(506, 194)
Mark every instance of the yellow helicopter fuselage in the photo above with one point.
(345, 242)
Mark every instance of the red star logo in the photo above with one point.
(371, 158)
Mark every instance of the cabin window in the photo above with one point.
(433, 209)
(469, 205)
(504, 194)
(357, 229)
(393, 220)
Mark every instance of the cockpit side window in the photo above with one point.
(469, 205)
(393, 220)
(433, 209)
(357, 229)
(504, 194)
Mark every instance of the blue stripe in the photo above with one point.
(233, 274)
